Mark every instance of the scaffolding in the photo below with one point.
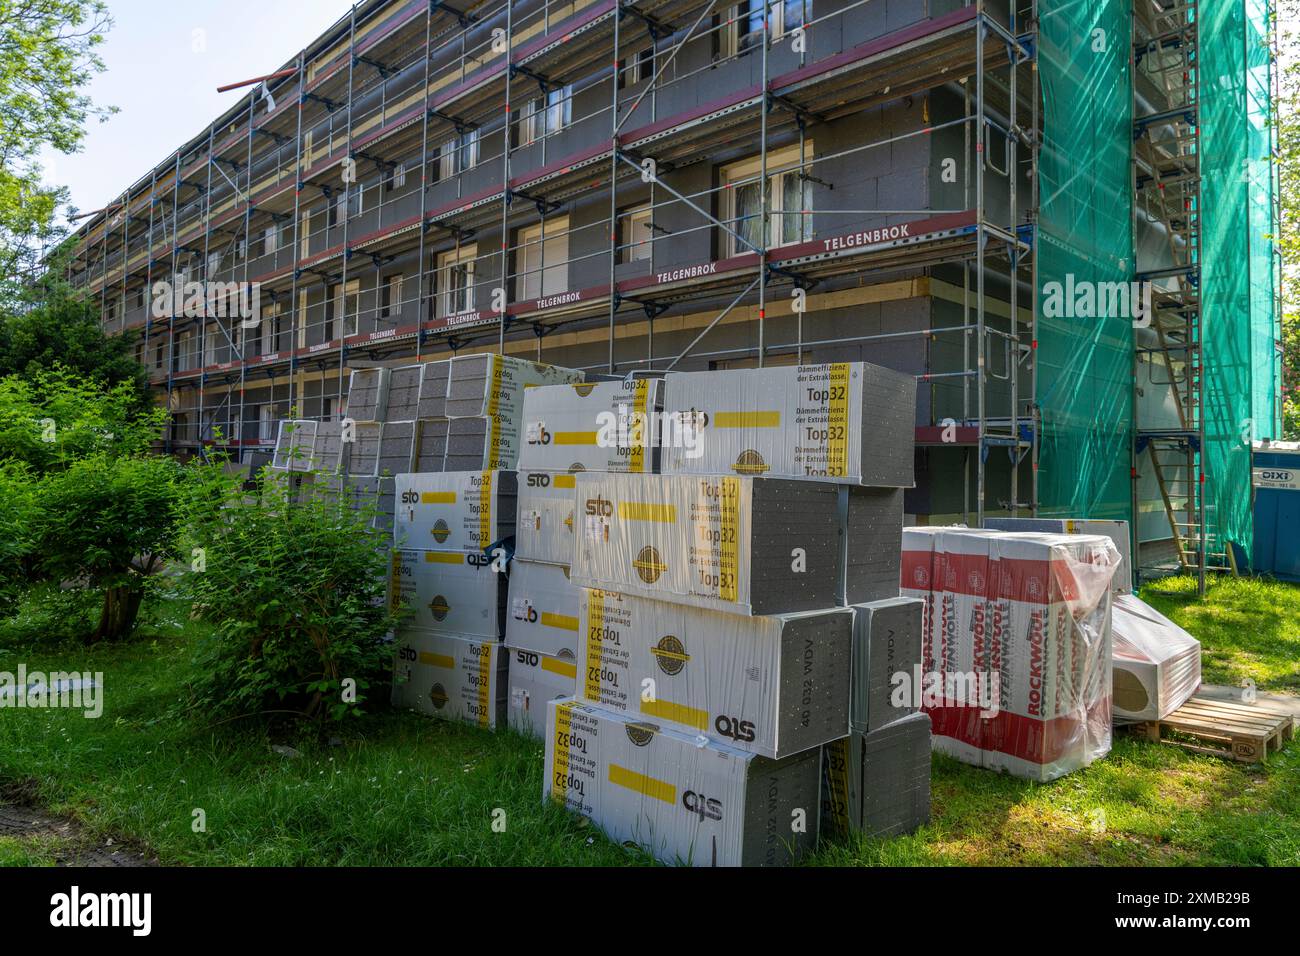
(634, 187)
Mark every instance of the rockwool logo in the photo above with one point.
(102, 910)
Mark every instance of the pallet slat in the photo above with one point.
(1238, 732)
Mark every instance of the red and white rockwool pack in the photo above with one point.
(1026, 617)
(917, 582)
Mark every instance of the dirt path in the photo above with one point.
(63, 840)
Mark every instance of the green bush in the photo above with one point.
(107, 524)
(295, 592)
(15, 526)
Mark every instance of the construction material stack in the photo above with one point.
(454, 530)
(595, 427)
(1016, 645)
(719, 619)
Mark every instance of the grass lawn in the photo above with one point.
(397, 788)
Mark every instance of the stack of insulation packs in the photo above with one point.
(730, 618)
(1016, 645)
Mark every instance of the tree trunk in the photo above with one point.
(118, 617)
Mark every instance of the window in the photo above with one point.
(302, 318)
(546, 115)
(270, 237)
(158, 355)
(458, 155)
(456, 281)
(266, 423)
(390, 305)
(789, 197)
(305, 239)
(541, 259)
(265, 332)
(241, 249)
(742, 24)
(634, 234)
(637, 68)
(347, 309)
(210, 344)
(214, 262)
(398, 179)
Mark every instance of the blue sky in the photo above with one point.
(164, 82)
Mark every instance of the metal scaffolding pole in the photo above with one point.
(613, 192)
(505, 188)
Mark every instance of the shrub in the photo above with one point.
(295, 592)
(106, 524)
(15, 526)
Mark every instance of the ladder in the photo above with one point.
(1167, 199)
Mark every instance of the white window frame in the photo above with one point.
(627, 223)
(455, 297)
(270, 239)
(398, 179)
(344, 323)
(393, 289)
(266, 422)
(780, 164)
(542, 259)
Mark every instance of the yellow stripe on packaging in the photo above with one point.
(564, 622)
(837, 421)
(444, 557)
(647, 511)
(485, 511)
(753, 419)
(637, 434)
(667, 710)
(574, 438)
(565, 481)
(445, 661)
(640, 783)
(437, 497)
(560, 764)
(563, 668)
(484, 680)
(729, 546)
(595, 630)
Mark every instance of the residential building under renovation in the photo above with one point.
(1056, 214)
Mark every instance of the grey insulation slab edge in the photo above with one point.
(873, 544)
(404, 393)
(816, 675)
(789, 515)
(772, 788)
(431, 445)
(886, 641)
(396, 447)
(433, 389)
(881, 780)
(368, 394)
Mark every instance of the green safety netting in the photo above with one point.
(1236, 259)
(1085, 232)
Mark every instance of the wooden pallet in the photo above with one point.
(1240, 732)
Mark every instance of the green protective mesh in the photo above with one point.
(1085, 363)
(1237, 330)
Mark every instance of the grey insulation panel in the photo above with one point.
(404, 393)
(430, 445)
(873, 543)
(886, 641)
(433, 389)
(368, 394)
(396, 447)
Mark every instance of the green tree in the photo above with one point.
(1288, 115)
(48, 53)
(67, 332)
(56, 417)
(107, 524)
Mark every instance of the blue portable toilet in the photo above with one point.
(1276, 479)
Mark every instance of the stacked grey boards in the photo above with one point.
(683, 803)
(454, 524)
(713, 621)
(878, 783)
